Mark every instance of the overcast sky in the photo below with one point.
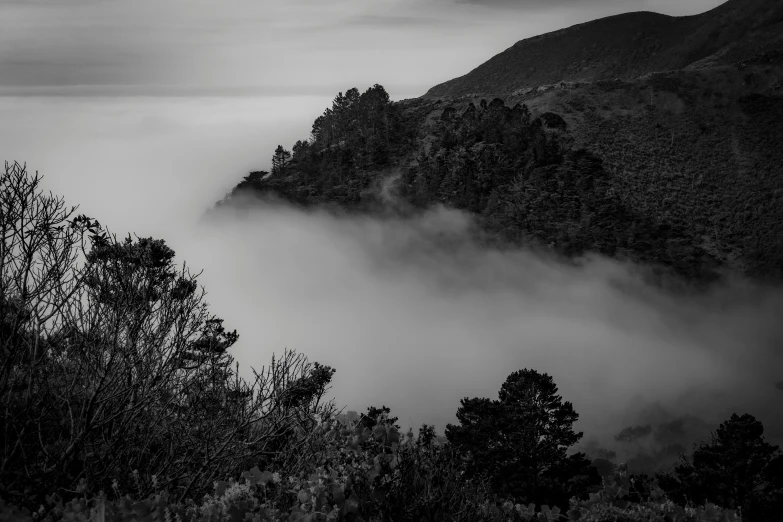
(274, 47)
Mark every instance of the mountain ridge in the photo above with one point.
(624, 46)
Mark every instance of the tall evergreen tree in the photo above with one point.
(736, 468)
(280, 160)
(520, 442)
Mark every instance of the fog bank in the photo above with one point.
(415, 315)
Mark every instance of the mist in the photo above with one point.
(149, 165)
(412, 312)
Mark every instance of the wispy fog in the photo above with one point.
(144, 164)
(411, 313)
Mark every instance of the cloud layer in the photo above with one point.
(147, 45)
(415, 315)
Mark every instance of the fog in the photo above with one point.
(412, 313)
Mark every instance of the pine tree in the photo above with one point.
(280, 160)
(520, 442)
(737, 468)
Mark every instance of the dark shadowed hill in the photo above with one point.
(626, 46)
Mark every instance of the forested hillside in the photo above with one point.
(689, 184)
(355, 140)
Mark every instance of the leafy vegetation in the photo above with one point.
(374, 477)
(527, 185)
(110, 359)
(736, 468)
(520, 442)
(360, 135)
(700, 158)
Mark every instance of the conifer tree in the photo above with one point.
(280, 160)
(735, 469)
(520, 442)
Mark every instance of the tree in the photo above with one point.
(735, 469)
(300, 150)
(110, 361)
(520, 442)
(378, 416)
(252, 178)
(280, 160)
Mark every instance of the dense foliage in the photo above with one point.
(711, 169)
(350, 142)
(736, 468)
(527, 185)
(110, 360)
(520, 442)
(375, 475)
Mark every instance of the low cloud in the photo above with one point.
(415, 314)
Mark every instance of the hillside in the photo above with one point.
(681, 170)
(697, 149)
(626, 46)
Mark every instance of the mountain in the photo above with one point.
(663, 147)
(627, 46)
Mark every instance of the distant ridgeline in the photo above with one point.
(526, 183)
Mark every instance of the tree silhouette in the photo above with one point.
(110, 360)
(737, 468)
(378, 415)
(280, 160)
(520, 442)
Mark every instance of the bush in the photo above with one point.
(111, 360)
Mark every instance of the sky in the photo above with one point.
(145, 113)
(286, 47)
